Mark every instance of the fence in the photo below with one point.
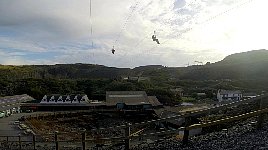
(37, 142)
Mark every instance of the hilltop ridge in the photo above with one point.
(246, 65)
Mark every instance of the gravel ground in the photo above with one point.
(242, 136)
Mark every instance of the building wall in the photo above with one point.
(127, 97)
(219, 97)
(229, 96)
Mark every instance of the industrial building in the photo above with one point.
(229, 95)
(11, 104)
(115, 101)
(131, 100)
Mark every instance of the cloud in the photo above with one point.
(179, 4)
(58, 31)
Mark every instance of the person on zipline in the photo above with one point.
(113, 50)
(155, 39)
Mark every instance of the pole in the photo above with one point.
(186, 131)
(127, 140)
(84, 140)
(19, 142)
(56, 140)
(261, 116)
(34, 140)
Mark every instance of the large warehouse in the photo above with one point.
(131, 100)
(115, 100)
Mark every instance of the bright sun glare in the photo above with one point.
(242, 30)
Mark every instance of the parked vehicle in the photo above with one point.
(2, 114)
(8, 113)
(22, 126)
(28, 131)
(16, 122)
(28, 111)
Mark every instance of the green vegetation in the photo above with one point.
(244, 71)
(188, 99)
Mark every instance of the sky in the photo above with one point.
(59, 31)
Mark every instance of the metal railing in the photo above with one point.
(84, 141)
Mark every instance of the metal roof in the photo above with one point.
(230, 92)
(154, 101)
(9, 102)
(127, 97)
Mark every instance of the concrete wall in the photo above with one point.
(192, 132)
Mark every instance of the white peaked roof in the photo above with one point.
(65, 99)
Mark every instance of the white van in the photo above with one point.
(2, 114)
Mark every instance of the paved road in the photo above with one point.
(7, 127)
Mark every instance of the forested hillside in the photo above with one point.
(245, 71)
(61, 71)
(248, 65)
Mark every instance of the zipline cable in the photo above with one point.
(91, 29)
(148, 35)
(198, 24)
(207, 20)
(134, 7)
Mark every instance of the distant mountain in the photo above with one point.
(244, 71)
(255, 56)
(246, 65)
(62, 71)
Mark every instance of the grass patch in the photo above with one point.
(188, 99)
